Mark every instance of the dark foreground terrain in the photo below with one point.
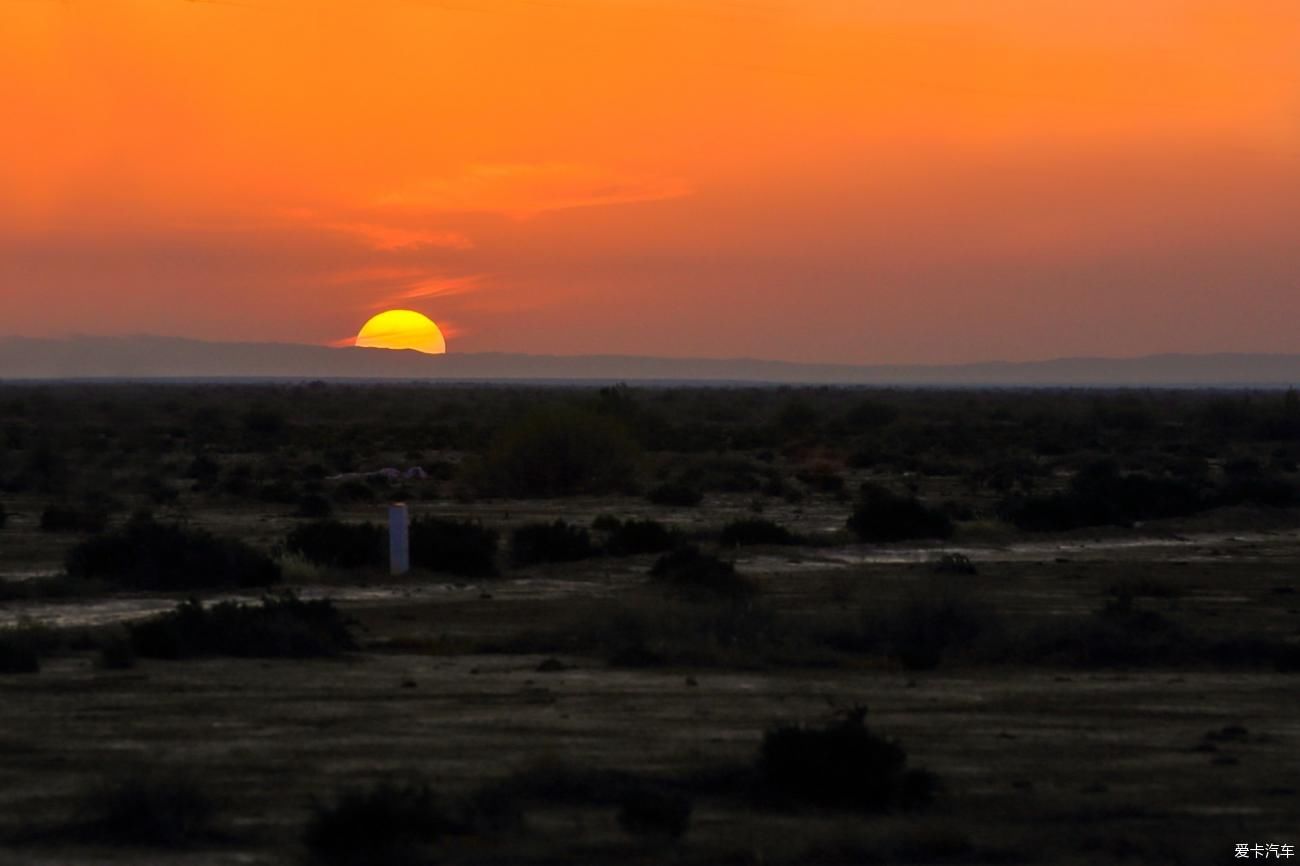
(739, 626)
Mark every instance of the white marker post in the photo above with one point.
(399, 540)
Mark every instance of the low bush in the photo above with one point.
(653, 811)
(694, 574)
(69, 518)
(756, 531)
(1100, 495)
(314, 507)
(335, 544)
(18, 654)
(117, 653)
(559, 451)
(631, 537)
(550, 542)
(461, 547)
(931, 624)
(884, 516)
(841, 765)
(953, 563)
(155, 808)
(280, 627)
(4, 515)
(389, 824)
(675, 493)
(148, 555)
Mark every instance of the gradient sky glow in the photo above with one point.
(815, 180)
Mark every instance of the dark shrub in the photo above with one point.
(549, 542)
(630, 537)
(756, 531)
(117, 653)
(340, 545)
(314, 506)
(926, 626)
(1119, 635)
(67, 518)
(153, 808)
(882, 515)
(655, 811)
(953, 563)
(692, 572)
(148, 555)
(560, 451)
(1099, 495)
(842, 765)
(283, 627)
(675, 493)
(17, 653)
(4, 515)
(390, 824)
(461, 547)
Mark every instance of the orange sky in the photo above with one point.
(837, 180)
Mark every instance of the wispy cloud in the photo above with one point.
(524, 190)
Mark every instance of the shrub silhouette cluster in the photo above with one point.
(676, 493)
(335, 544)
(756, 531)
(694, 573)
(882, 515)
(550, 542)
(463, 547)
(69, 518)
(18, 655)
(389, 824)
(152, 808)
(281, 627)
(148, 555)
(841, 765)
(559, 451)
(631, 537)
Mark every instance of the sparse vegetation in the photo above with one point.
(334, 544)
(388, 824)
(841, 765)
(675, 493)
(882, 515)
(696, 574)
(149, 807)
(462, 547)
(559, 450)
(148, 555)
(756, 531)
(632, 537)
(279, 627)
(549, 542)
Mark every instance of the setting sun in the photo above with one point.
(402, 329)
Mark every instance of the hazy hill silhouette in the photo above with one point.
(152, 357)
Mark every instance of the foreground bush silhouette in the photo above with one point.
(842, 765)
(461, 547)
(390, 824)
(631, 537)
(339, 545)
(283, 627)
(549, 542)
(18, 654)
(148, 555)
(882, 515)
(651, 811)
(756, 531)
(676, 493)
(68, 518)
(695, 574)
(152, 808)
(559, 451)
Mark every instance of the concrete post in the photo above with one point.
(399, 541)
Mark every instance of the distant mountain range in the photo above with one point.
(150, 357)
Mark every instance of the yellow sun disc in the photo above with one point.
(402, 329)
